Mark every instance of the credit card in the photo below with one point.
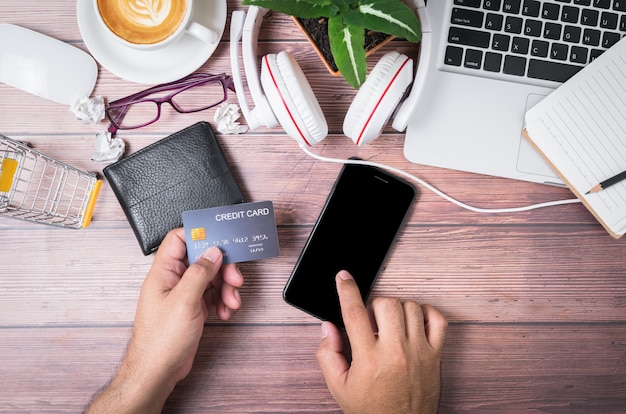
(244, 232)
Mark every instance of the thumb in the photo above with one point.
(332, 362)
(198, 276)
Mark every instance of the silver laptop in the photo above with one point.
(488, 63)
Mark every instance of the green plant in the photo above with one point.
(347, 22)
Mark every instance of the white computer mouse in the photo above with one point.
(45, 66)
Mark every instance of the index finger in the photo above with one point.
(355, 316)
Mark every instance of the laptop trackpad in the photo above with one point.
(528, 159)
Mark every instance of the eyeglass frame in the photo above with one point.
(178, 86)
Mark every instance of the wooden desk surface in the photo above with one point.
(536, 301)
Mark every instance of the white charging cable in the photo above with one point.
(435, 190)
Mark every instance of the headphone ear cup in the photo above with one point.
(378, 97)
(292, 99)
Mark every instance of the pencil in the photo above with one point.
(608, 182)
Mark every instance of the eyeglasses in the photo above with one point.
(193, 93)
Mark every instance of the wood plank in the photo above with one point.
(305, 182)
(486, 368)
(534, 368)
(44, 281)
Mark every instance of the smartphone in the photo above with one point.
(354, 232)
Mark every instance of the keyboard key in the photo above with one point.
(570, 14)
(473, 59)
(571, 34)
(591, 37)
(466, 17)
(531, 8)
(608, 20)
(532, 28)
(513, 25)
(609, 39)
(469, 37)
(454, 56)
(619, 5)
(493, 62)
(552, 31)
(602, 4)
(595, 53)
(468, 3)
(583, 2)
(558, 51)
(500, 42)
(552, 71)
(511, 6)
(520, 45)
(550, 11)
(622, 23)
(539, 48)
(578, 55)
(514, 65)
(493, 5)
(493, 21)
(589, 17)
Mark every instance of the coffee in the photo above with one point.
(143, 22)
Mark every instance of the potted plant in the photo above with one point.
(316, 32)
(348, 21)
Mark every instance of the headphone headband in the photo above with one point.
(401, 118)
(245, 27)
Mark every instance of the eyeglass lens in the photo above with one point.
(193, 99)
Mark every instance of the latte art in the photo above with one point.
(146, 12)
(143, 21)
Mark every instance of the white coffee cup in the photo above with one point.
(150, 24)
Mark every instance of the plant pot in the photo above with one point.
(316, 32)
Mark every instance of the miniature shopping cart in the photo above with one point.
(37, 188)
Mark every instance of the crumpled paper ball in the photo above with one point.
(226, 117)
(88, 110)
(108, 149)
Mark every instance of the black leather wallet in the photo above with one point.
(184, 171)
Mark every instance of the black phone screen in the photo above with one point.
(354, 232)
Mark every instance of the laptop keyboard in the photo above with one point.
(531, 40)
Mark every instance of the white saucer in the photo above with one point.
(152, 66)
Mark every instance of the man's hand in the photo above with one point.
(396, 351)
(174, 303)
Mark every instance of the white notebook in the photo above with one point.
(580, 129)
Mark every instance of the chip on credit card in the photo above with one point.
(244, 232)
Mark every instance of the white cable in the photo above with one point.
(436, 191)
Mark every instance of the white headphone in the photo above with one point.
(283, 95)
(289, 99)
